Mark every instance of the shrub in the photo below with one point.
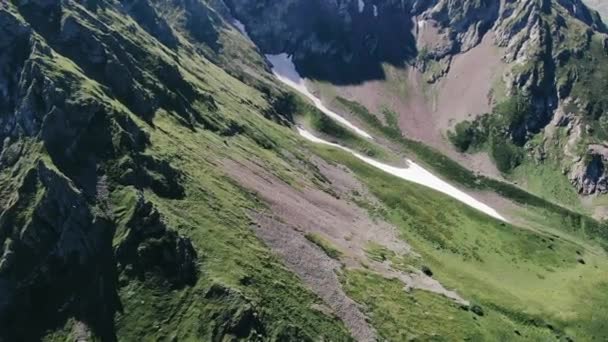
(505, 154)
(476, 309)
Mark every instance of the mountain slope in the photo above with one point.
(465, 59)
(98, 191)
(599, 6)
(154, 187)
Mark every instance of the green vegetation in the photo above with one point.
(505, 154)
(420, 315)
(164, 145)
(320, 122)
(325, 245)
(472, 253)
(453, 171)
(405, 263)
(497, 132)
(198, 112)
(391, 118)
(547, 180)
(591, 77)
(467, 135)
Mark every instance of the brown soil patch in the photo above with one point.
(464, 93)
(428, 35)
(427, 111)
(297, 211)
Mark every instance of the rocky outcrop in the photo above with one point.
(65, 144)
(466, 22)
(590, 175)
(339, 41)
(150, 248)
(145, 14)
(57, 251)
(242, 320)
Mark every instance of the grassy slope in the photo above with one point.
(213, 213)
(465, 249)
(456, 173)
(526, 280)
(529, 280)
(537, 281)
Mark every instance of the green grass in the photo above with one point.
(214, 215)
(319, 122)
(423, 316)
(243, 290)
(527, 277)
(401, 262)
(546, 180)
(391, 118)
(325, 245)
(455, 172)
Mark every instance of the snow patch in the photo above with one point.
(361, 6)
(284, 69)
(413, 173)
(375, 11)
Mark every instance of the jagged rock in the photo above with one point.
(580, 11)
(144, 171)
(590, 175)
(145, 14)
(466, 21)
(10, 152)
(339, 42)
(240, 319)
(150, 247)
(14, 48)
(57, 252)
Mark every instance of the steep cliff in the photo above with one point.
(153, 185)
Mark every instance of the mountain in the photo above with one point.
(226, 170)
(599, 6)
(537, 62)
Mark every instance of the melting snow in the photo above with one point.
(413, 173)
(284, 69)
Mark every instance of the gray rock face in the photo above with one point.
(334, 40)
(148, 18)
(57, 259)
(14, 48)
(466, 21)
(59, 253)
(590, 175)
(599, 5)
